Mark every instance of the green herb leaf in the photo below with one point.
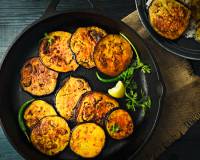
(49, 38)
(20, 117)
(46, 34)
(145, 103)
(115, 128)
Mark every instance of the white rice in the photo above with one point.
(191, 30)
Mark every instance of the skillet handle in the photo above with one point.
(51, 8)
(53, 4)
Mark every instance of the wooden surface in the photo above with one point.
(15, 15)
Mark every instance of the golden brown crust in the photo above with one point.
(69, 94)
(55, 52)
(119, 124)
(169, 18)
(51, 135)
(83, 42)
(37, 79)
(37, 110)
(93, 106)
(112, 55)
(87, 140)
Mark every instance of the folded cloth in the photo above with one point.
(181, 107)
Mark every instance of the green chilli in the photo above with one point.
(21, 119)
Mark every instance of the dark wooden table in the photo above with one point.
(16, 15)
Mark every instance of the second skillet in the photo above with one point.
(184, 47)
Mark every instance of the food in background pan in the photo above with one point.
(119, 124)
(37, 110)
(51, 135)
(192, 5)
(93, 106)
(87, 140)
(55, 52)
(169, 18)
(83, 42)
(69, 94)
(37, 79)
(112, 55)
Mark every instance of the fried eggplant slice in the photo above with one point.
(87, 140)
(51, 135)
(112, 55)
(119, 124)
(55, 52)
(37, 79)
(93, 106)
(169, 18)
(69, 94)
(83, 42)
(37, 110)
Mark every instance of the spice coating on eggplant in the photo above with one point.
(169, 18)
(87, 140)
(112, 54)
(119, 124)
(69, 94)
(37, 110)
(51, 135)
(83, 42)
(93, 106)
(37, 79)
(55, 52)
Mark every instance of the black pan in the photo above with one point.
(186, 48)
(26, 46)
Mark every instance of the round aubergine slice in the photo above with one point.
(119, 124)
(69, 94)
(93, 106)
(37, 79)
(83, 42)
(51, 135)
(37, 110)
(169, 18)
(87, 140)
(55, 52)
(112, 55)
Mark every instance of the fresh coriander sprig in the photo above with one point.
(115, 128)
(133, 101)
(49, 38)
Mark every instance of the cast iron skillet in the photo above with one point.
(26, 46)
(186, 48)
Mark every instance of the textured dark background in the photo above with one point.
(16, 15)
